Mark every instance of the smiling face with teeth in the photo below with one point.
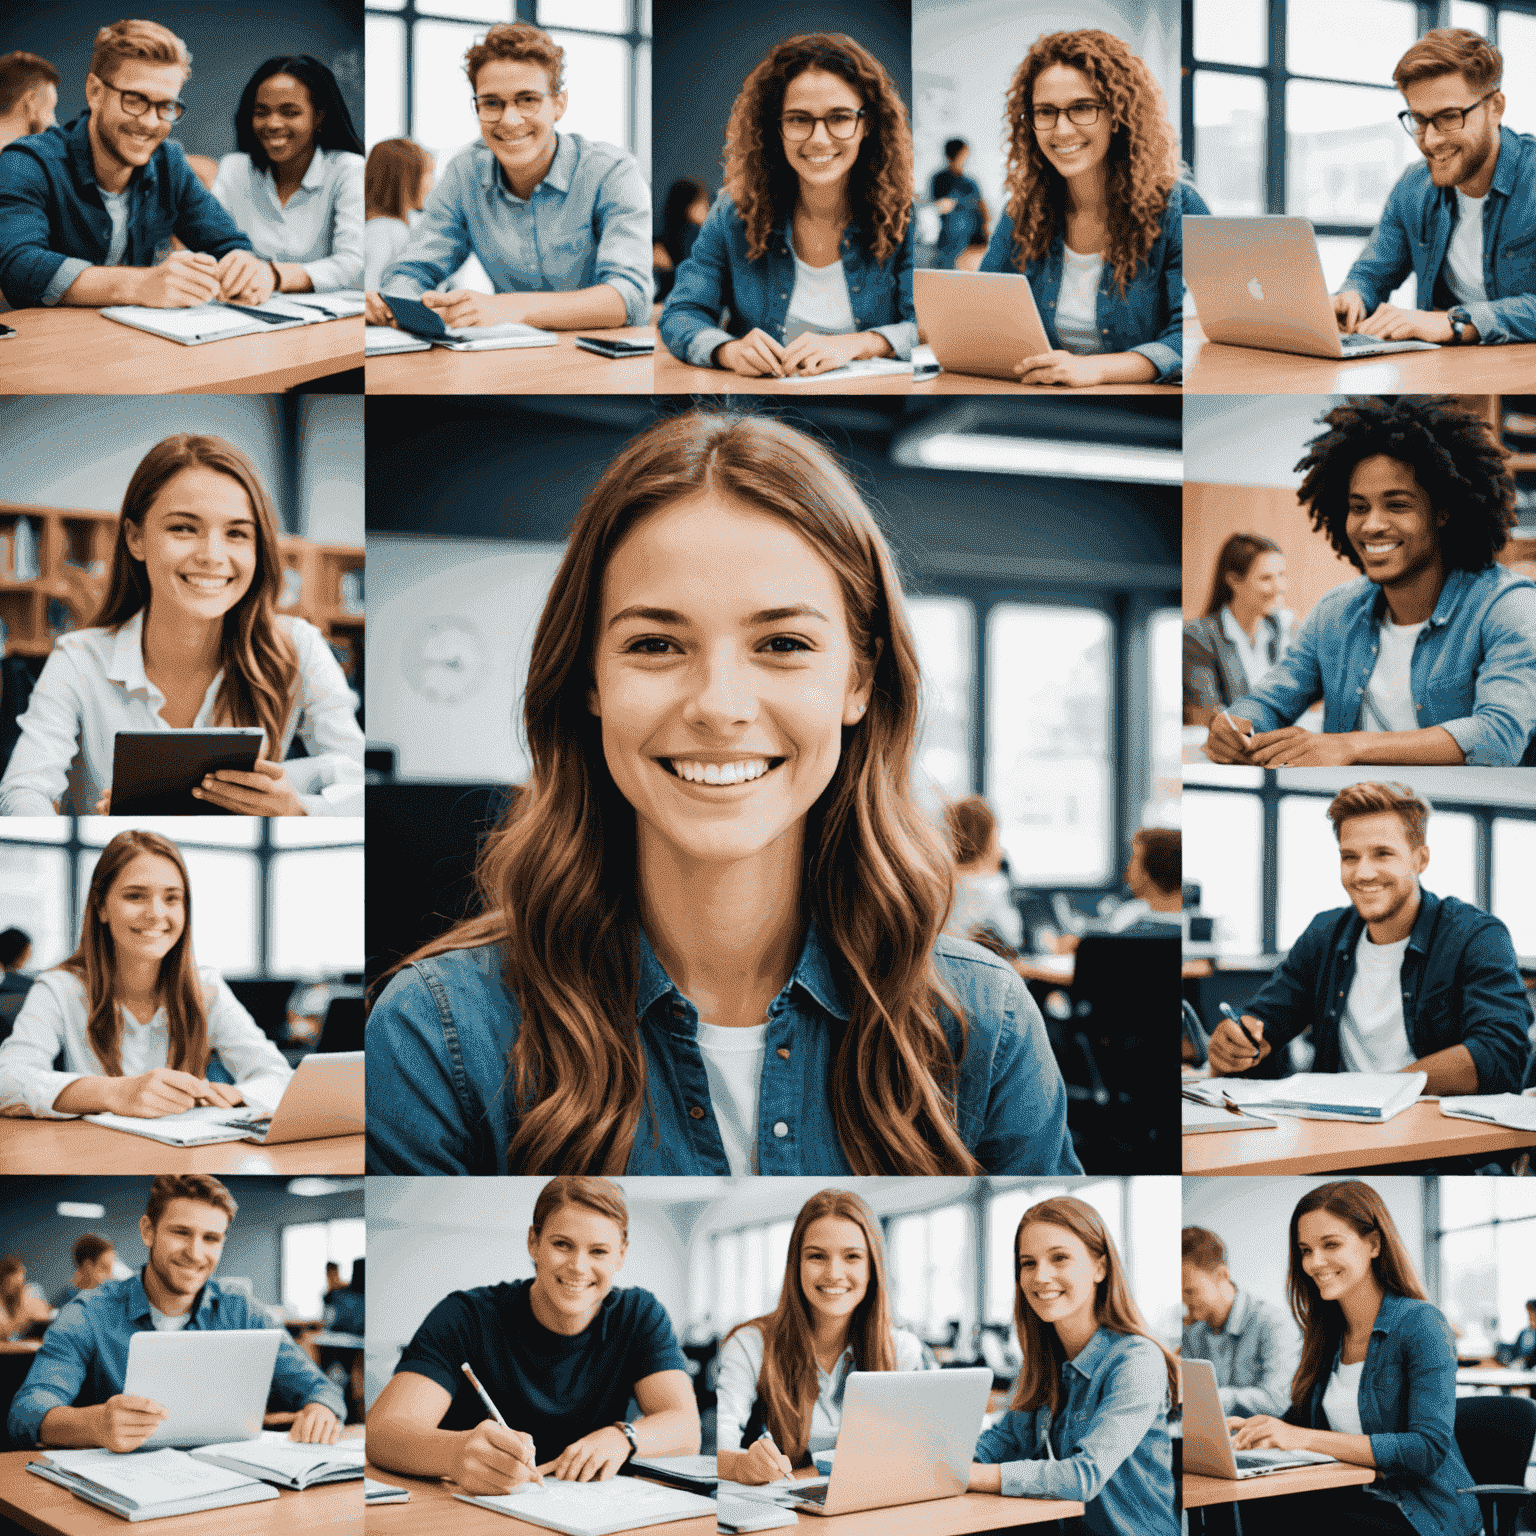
(1337, 1258)
(285, 122)
(1379, 867)
(576, 1254)
(185, 1246)
(834, 1268)
(822, 162)
(524, 141)
(1058, 1278)
(1392, 526)
(1467, 157)
(120, 144)
(1072, 149)
(144, 909)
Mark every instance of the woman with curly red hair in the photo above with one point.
(809, 248)
(1093, 213)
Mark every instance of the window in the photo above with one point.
(748, 1273)
(1165, 689)
(34, 896)
(1229, 888)
(929, 1271)
(1487, 1257)
(307, 1248)
(1514, 894)
(314, 934)
(943, 629)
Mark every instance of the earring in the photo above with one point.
(861, 709)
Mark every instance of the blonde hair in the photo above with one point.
(146, 40)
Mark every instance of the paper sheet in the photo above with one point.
(147, 1477)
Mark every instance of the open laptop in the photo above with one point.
(213, 1381)
(1207, 1441)
(1259, 283)
(978, 322)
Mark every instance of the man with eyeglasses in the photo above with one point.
(561, 223)
(87, 211)
(1463, 221)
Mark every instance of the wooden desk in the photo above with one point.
(1505, 1378)
(63, 351)
(563, 369)
(73, 1146)
(1421, 1132)
(1212, 369)
(1210, 1501)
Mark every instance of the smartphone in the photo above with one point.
(615, 347)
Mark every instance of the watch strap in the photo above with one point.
(628, 1431)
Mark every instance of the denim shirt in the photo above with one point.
(440, 1033)
(54, 225)
(1461, 986)
(1108, 1449)
(1415, 232)
(1254, 1352)
(717, 277)
(1407, 1403)
(1149, 319)
(1473, 669)
(587, 222)
(84, 1358)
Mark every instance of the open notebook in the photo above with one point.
(596, 1509)
(1372, 1097)
(274, 1458)
(1515, 1111)
(220, 321)
(148, 1485)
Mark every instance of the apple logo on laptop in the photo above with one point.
(1255, 289)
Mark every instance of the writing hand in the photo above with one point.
(1231, 1052)
(1226, 742)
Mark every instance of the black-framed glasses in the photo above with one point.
(491, 109)
(1084, 113)
(1451, 120)
(136, 104)
(842, 123)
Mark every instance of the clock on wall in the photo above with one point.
(444, 658)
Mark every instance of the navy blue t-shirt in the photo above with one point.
(549, 1385)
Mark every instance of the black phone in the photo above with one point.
(615, 347)
(416, 318)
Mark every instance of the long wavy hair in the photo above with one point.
(1141, 164)
(558, 877)
(392, 178)
(1322, 1322)
(758, 175)
(261, 670)
(786, 1383)
(95, 963)
(1113, 1305)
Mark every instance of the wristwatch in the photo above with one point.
(628, 1431)
(1460, 320)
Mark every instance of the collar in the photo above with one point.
(1092, 1355)
(1418, 939)
(314, 172)
(126, 665)
(557, 178)
(1237, 1318)
(77, 138)
(1506, 171)
(139, 1305)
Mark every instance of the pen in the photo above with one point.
(1227, 1012)
(1233, 723)
(495, 1412)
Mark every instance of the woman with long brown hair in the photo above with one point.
(1089, 1417)
(809, 248)
(396, 181)
(144, 1031)
(1093, 213)
(712, 930)
(782, 1377)
(1244, 630)
(189, 636)
(1376, 1386)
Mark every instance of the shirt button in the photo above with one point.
(783, 1053)
(780, 1129)
(696, 1112)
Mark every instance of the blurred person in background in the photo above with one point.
(957, 201)
(682, 216)
(24, 1311)
(982, 885)
(1244, 631)
(396, 181)
(15, 951)
(95, 1262)
(29, 92)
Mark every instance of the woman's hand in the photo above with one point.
(1226, 739)
(761, 1462)
(752, 356)
(162, 1091)
(1063, 368)
(268, 791)
(224, 1094)
(809, 353)
(1293, 747)
(1265, 1432)
(591, 1459)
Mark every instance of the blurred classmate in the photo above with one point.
(1094, 216)
(15, 951)
(807, 255)
(142, 1028)
(24, 1311)
(957, 200)
(1245, 629)
(29, 92)
(559, 222)
(1401, 980)
(1252, 1345)
(87, 211)
(346, 1303)
(782, 1377)
(560, 1356)
(73, 1395)
(1461, 222)
(1089, 1417)
(188, 635)
(396, 181)
(982, 885)
(1156, 878)
(682, 216)
(295, 184)
(1525, 1344)
(95, 1262)
(332, 1278)
(1418, 496)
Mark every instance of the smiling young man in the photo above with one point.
(73, 1394)
(1401, 980)
(1462, 221)
(561, 223)
(1431, 656)
(87, 211)
(29, 92)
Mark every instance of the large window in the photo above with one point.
(928, 1255)
(307, 1248)
(1487, 1245)
(944, 630)
(1165, 688)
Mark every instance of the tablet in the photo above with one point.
(154, 772)
(213, 1381)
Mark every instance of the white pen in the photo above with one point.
(1233, 723)
(495, 1412)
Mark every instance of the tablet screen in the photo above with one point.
(154, 772)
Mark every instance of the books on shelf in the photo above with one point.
(596, 1509)
(148, 1485)
(1369, 1097)
(274, 1458)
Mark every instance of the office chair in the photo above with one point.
(10, 1006)
(1494, 1436)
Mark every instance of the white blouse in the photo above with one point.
(94, 685)
(54, 1019)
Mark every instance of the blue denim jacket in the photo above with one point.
(1109, 1448)
(1461, 986)
(53, 223)
(1415, 232)
(1150, 318)
(439, 1035)
(1407, 1404)
(84, 1358)
(717, 276)
(1473, 669)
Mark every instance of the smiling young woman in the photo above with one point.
(712, 937)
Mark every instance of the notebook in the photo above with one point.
(860, 368)
(1516, 1111)
(342, 304)
(698, 1474)
(274, 1458)
(381, 340)
(375, 1492)
(212, 322)
(737, 1514)
(1372, 1097)
(423, 321)
(596, 1509)
(1207, 1117)
(148, 1485)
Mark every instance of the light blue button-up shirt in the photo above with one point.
(322, 226)
(1255, 1353)
(587, 222)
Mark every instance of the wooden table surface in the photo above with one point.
(1200, 1491)
(66, 351)
(1419, 1133)
(563, 369)
(73, 1146)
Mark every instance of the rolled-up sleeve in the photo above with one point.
(621, 226)
(439, 240)
(1291, 686)
(38, 773)
(57, 1374)
(296, 1382)
(1429, 1366)
(1503, 718)
(1388, 256)
(690, 321)
(741, 1358)
(1495, 1016)
(343, 268)
(257, 1066)
(28, 1083)
(28, 265)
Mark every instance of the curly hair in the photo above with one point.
(1453, 455)
(1142, 164)
(758, 176)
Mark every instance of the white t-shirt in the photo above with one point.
(819, 302)
(1077, 303)
(165, 1323)
(1388, 704)
(1464, 255)
(1372, 1034)
(1341, 1399)
(733, 1063)
(117, 211)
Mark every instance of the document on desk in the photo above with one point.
(148, 1485)
(738, 1514)
(381, 340)
(1206, 1117)
(274, 1458)
(1369, 1097)
(205, 1126)
(341, 304)
(375, 1492)
(493, 338)
(596, 1509)
(860, 368)
(1515, 1111)
(213, 322)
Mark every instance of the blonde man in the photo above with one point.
(29, 91)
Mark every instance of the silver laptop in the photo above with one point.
(1259, 283)
(213, 1381)
(978, 322)
(1207, 1441)
(324, 1097)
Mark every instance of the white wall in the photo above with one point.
(1250, 439)
(330, 469)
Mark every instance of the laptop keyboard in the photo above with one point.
(813, 1495)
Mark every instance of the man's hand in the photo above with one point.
(1348, 310)
(245, 278)
(1064, 368)
(267, 791)
(455, 309)
(809, 353)
(162, 1091)
(1293, 747)
(753, 356)
(492, 1459)
(1230, 1052)
(376, 311)
(124, 1423)
(315, 1424)
(1226, 744)
(183, 279)
(591, 1459)
(945, 205)
(1394, 324)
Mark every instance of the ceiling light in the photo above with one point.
(983, 453)
(323, 1186)
(81, 1209)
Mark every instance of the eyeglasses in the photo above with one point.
(1452, 120)
(136, 105)
(1083, 113)
(491, 109)
(841, 124)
